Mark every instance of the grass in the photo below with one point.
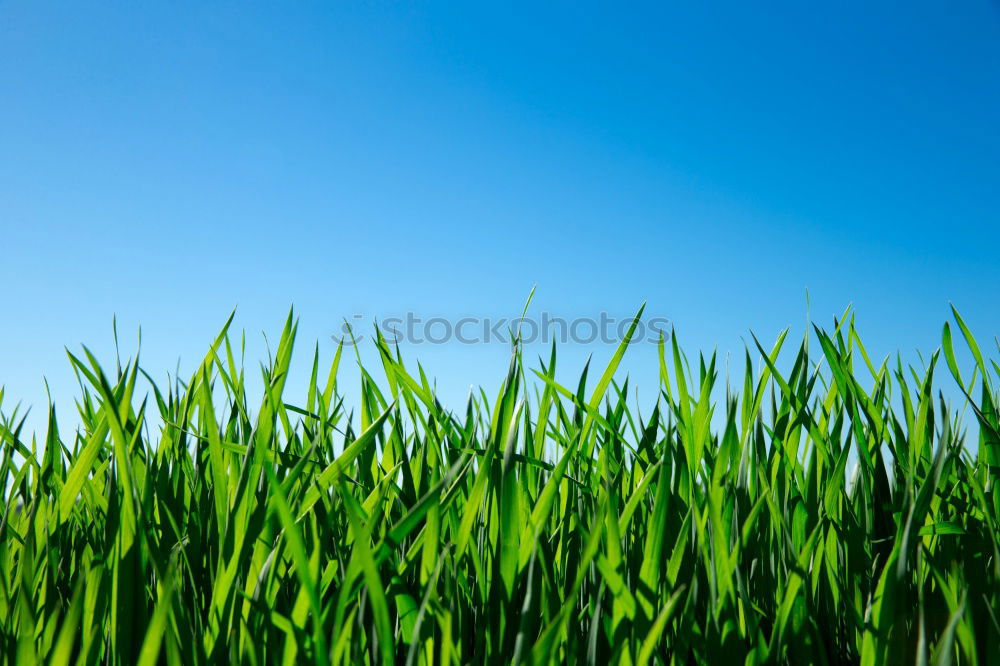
(781, 518)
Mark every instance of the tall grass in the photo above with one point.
(785, 518)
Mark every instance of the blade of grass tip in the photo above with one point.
(80, 469)
(971, 342)
(524, 312)
(331, 379)
(602, 385)
(123, 461)
(216, 456)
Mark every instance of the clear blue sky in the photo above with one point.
(166, 163)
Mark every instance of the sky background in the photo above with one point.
(164, 164)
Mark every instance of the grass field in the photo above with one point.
(835, 513)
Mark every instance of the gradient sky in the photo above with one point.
(165, 164)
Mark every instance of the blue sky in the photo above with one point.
(165, 164)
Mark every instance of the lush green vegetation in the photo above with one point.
(834, 513)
